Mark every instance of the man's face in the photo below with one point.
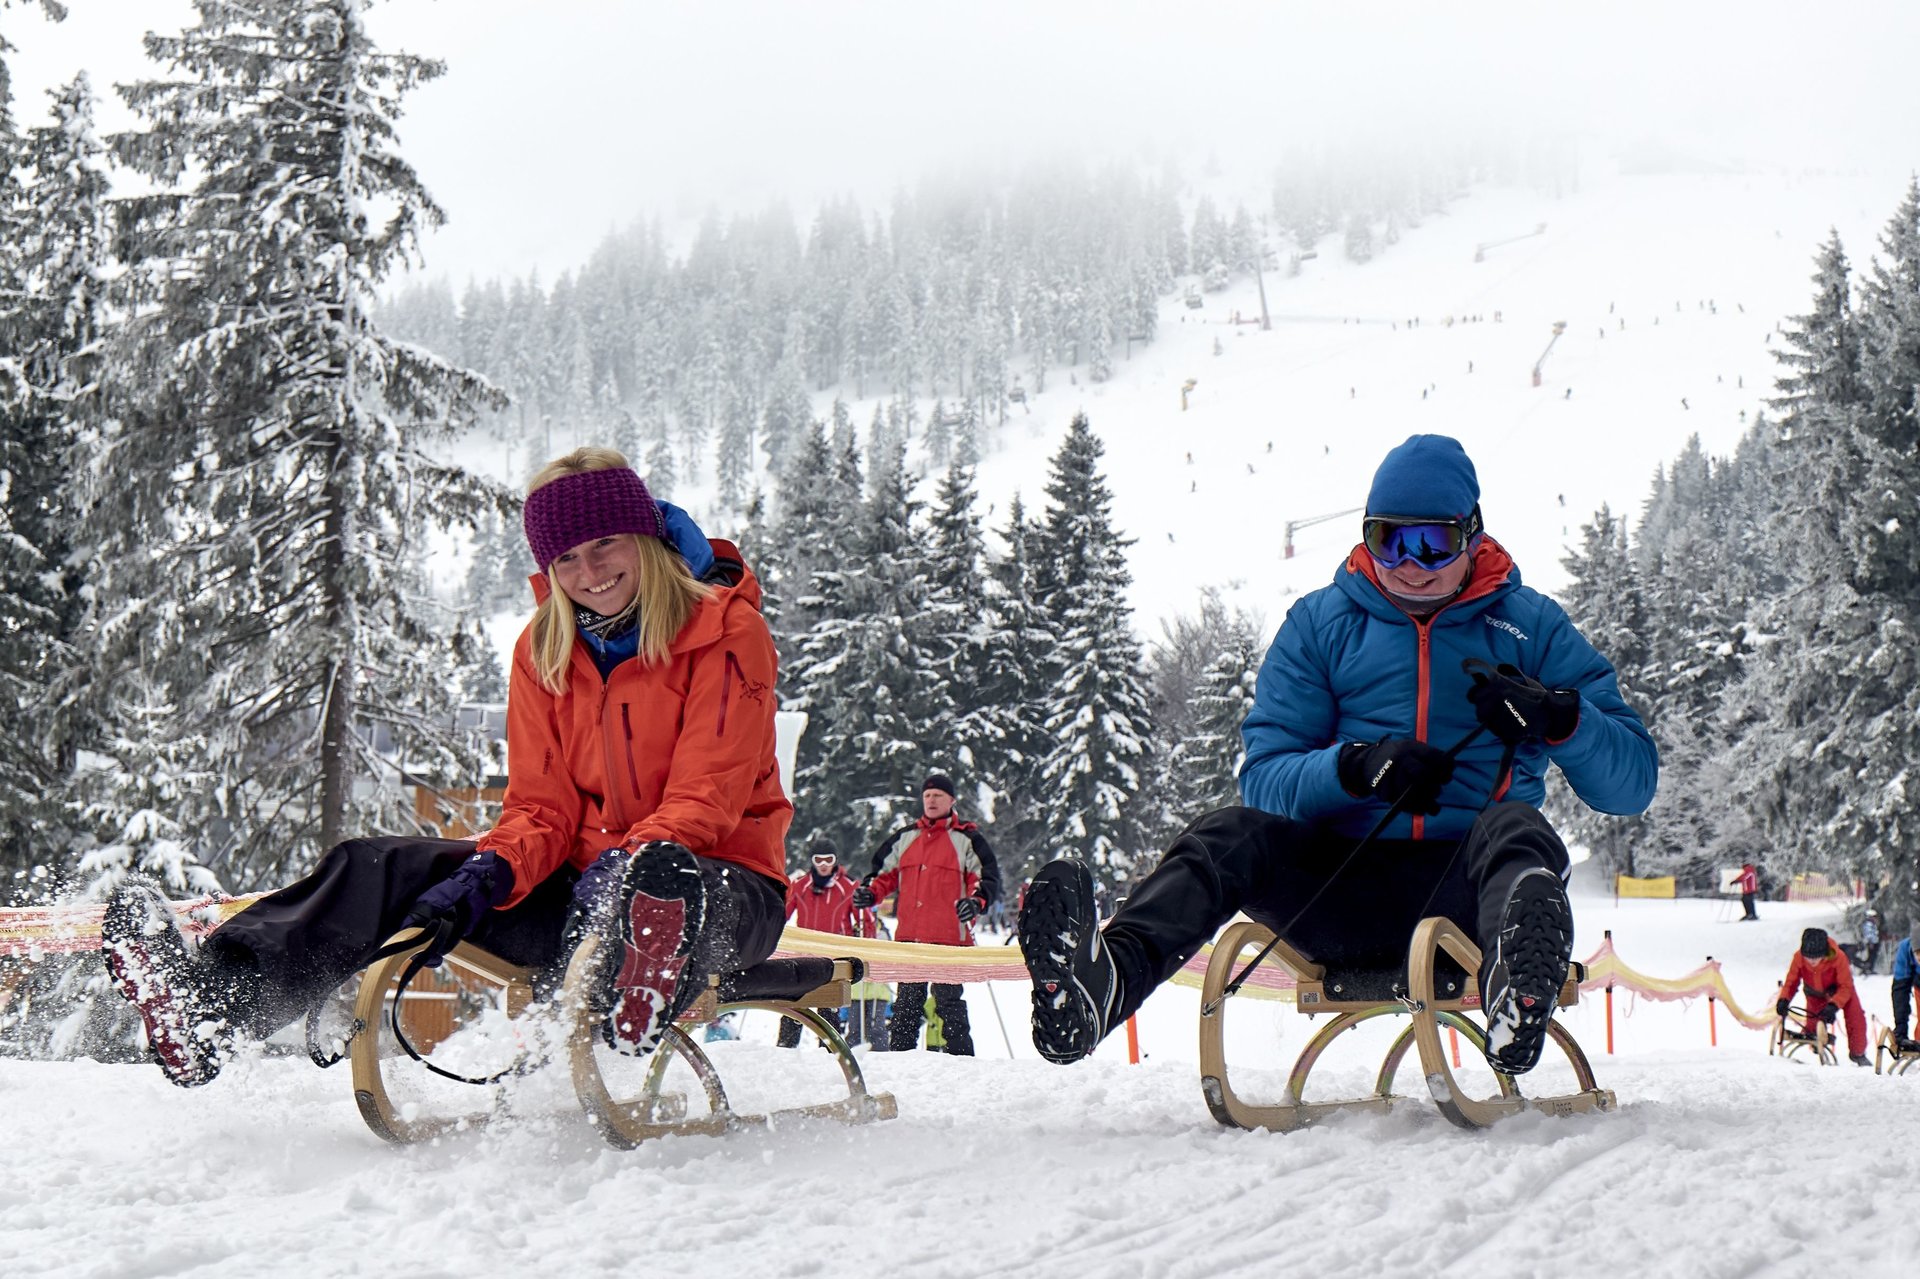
(1409, 581)
(935, 803)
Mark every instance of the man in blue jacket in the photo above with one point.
(1426, 680)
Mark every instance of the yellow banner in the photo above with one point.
(1629, 886)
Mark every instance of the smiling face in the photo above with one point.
(1417, 585)
(603, 574)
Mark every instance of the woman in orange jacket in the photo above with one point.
(1823, 968)
(643, 802)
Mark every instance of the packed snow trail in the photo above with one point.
(1012, 1167)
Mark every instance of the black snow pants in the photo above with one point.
(1288, 876)
(291, 949)
(910, 1011)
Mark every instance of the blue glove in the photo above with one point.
(687, 539)
(462, 899)
(598, 882)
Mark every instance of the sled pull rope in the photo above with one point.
(443, 939)
(1393, 811)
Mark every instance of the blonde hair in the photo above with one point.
(665, 601)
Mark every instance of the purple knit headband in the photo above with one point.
(563, 513)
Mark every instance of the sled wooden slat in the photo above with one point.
(1320, 993)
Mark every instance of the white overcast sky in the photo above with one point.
(560, 120)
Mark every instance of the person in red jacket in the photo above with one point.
(945, 875)
(643, 803)
(1749, 886)
(1823, 969)
(821, 898)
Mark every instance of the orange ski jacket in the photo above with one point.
(681, 751)
(1828, 979)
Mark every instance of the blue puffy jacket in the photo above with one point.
(1349, 666)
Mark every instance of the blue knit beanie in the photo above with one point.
(1429, 476)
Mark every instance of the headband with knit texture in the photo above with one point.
(563, 513)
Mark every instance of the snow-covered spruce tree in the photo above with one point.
(1875, 832)
(1096, 700)
(53, 235)
(864, 674)
(957, 633)
(1202, 671)
(1009, 695)
(266, 461)
(1605, 598)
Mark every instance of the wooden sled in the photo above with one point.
(1887, 1049)
(802, 989)
(1357, 997)
(1788, 1041)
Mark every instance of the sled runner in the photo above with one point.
(1887, 1050)
(798, 988)
(1435, 991)
(1810, 1034)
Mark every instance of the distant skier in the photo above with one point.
(1425, 640)
(1822, 967)
(1749, 885)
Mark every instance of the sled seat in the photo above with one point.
(811, 981)
(1434, 989)
(804, 989)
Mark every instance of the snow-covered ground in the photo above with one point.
(1720, 1161)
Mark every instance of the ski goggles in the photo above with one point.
(1393, 541)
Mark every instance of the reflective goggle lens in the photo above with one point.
(1428, 545)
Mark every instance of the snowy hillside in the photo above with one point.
(1720, 1162)
(1698, 268)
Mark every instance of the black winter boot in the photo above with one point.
(1523, 970)
(1075, 984)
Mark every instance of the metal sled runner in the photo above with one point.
(802, 989)
(1430, 994)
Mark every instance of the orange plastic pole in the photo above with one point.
(1453, 1038)
(1133, 1043)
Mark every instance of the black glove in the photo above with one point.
(1517, 708)
(456, 905)
(1396, 767)
(863, 895)
(968, 908)
(1830, 1012)
(1782, 1006)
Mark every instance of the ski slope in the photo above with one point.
(1720, 1161)
(1339, 377)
